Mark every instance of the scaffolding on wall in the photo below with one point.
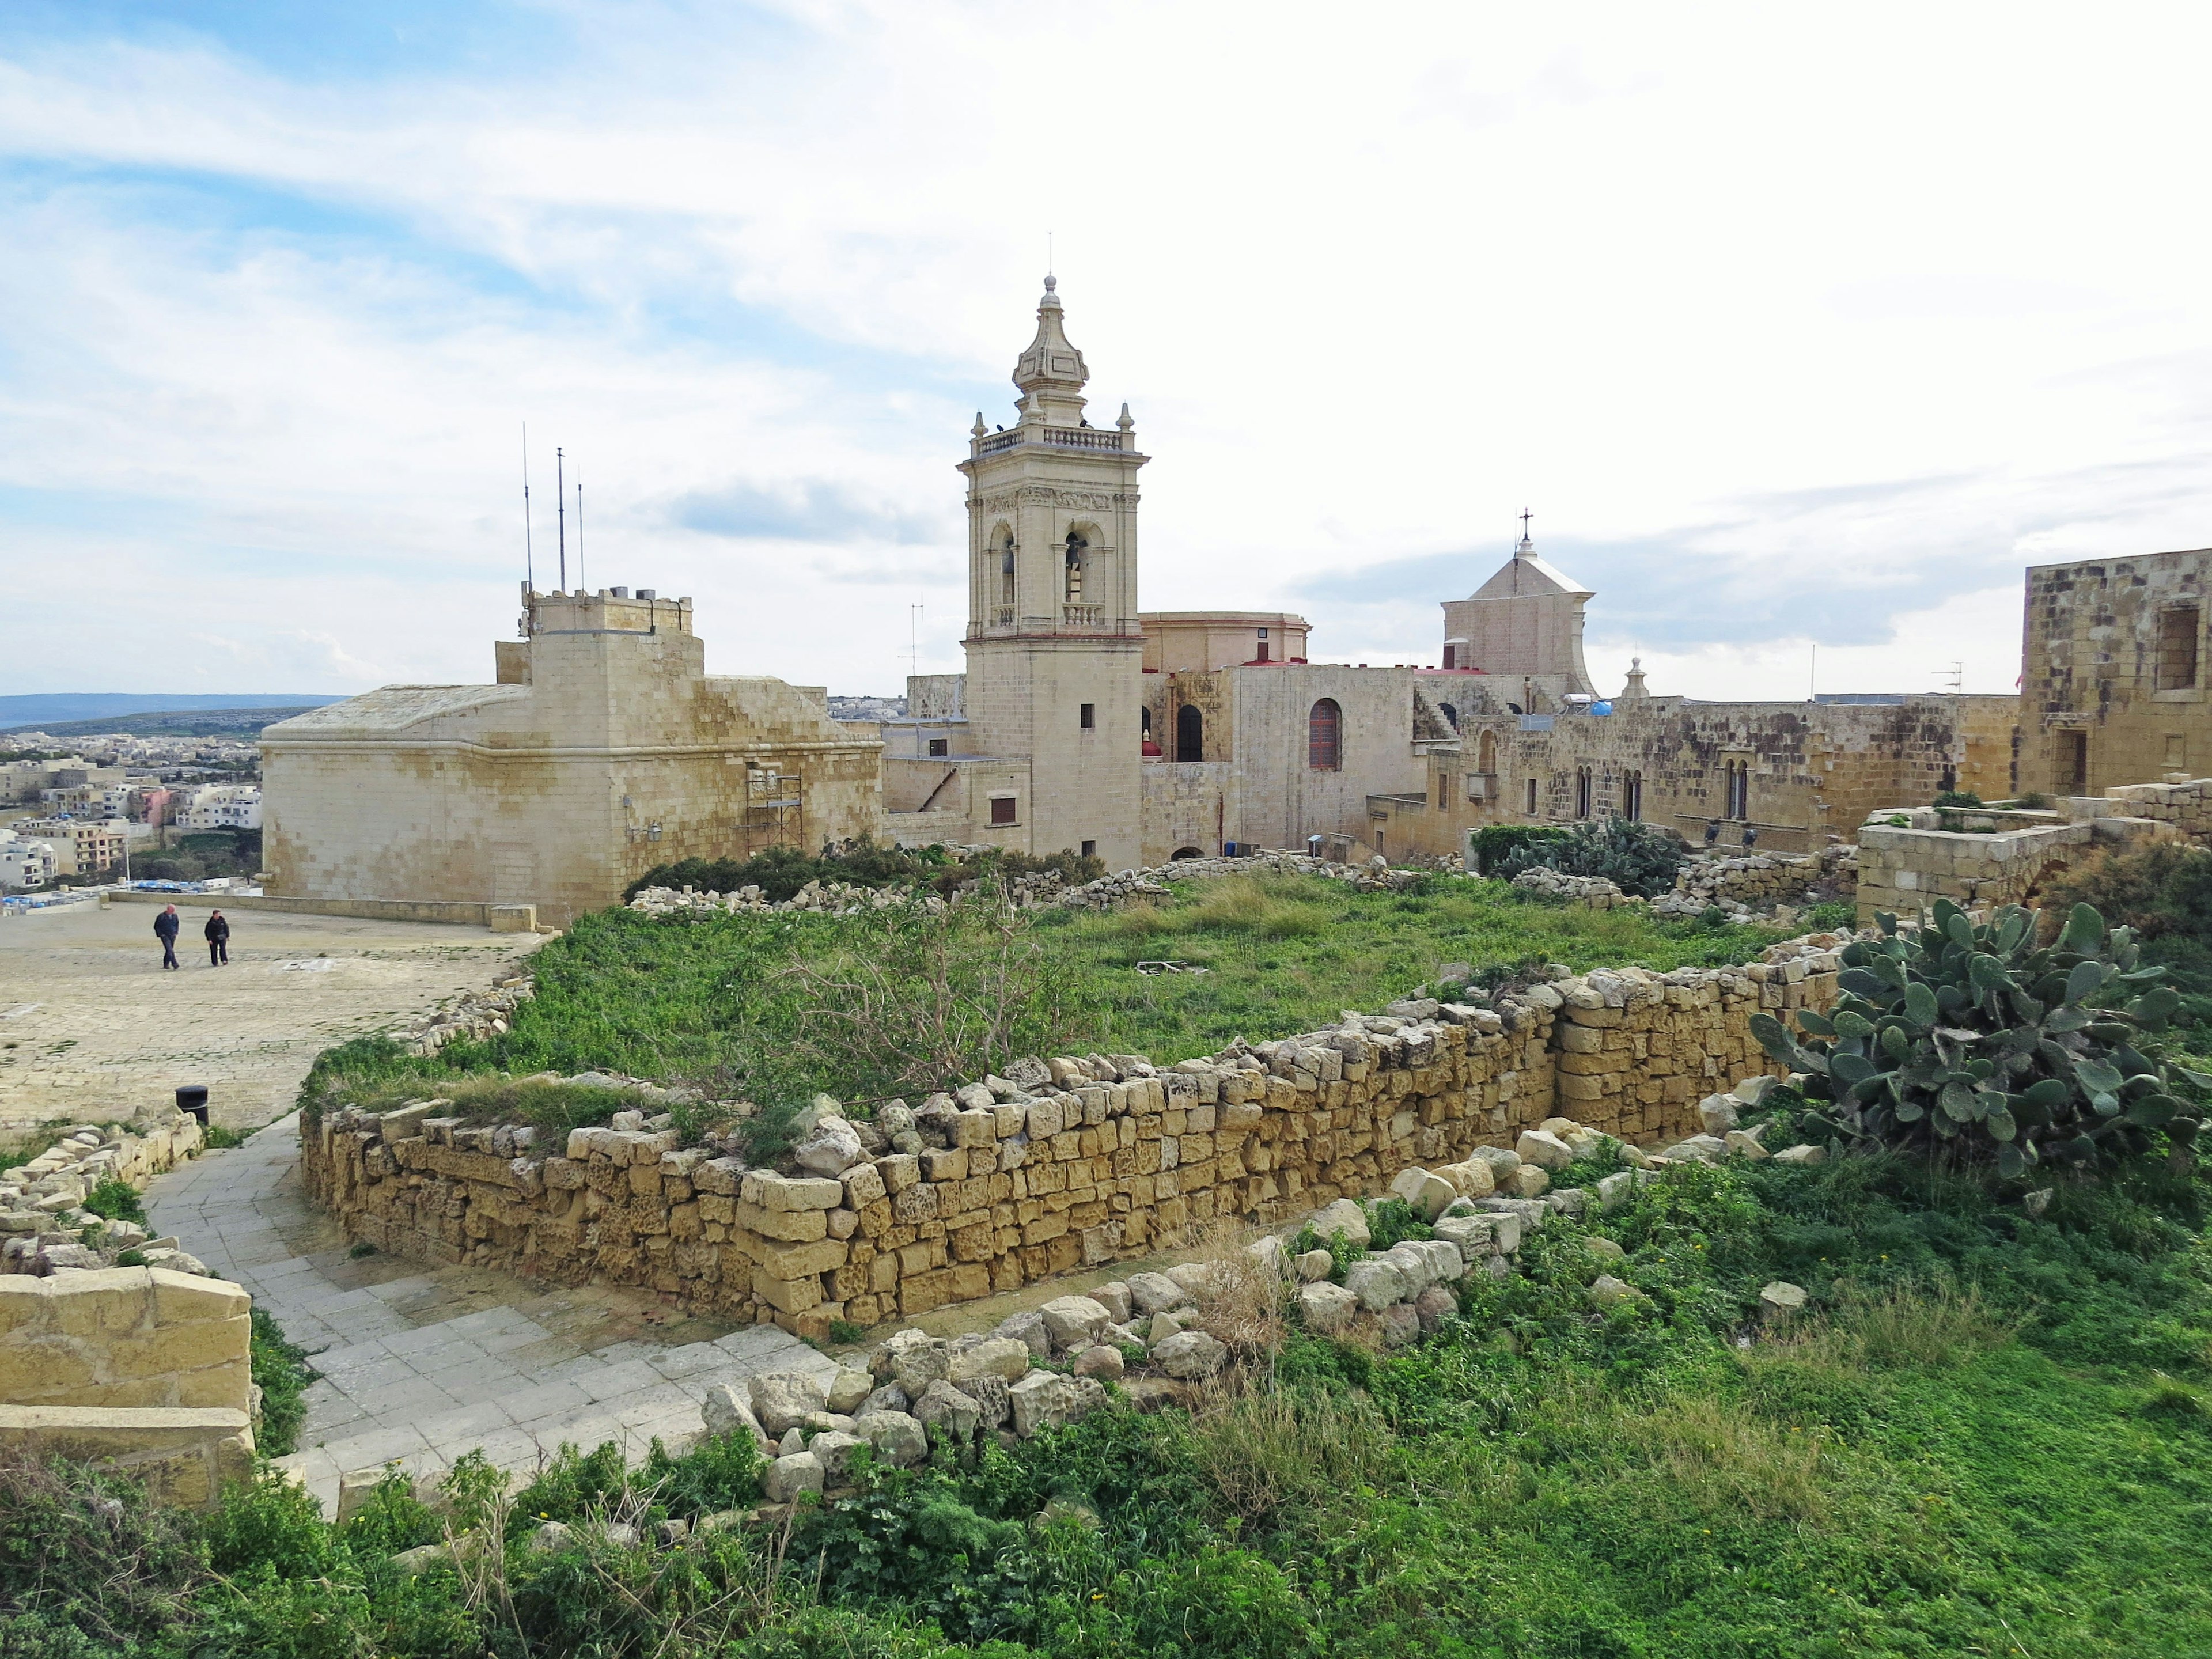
(774, 813)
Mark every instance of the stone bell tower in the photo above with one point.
(1054, 649)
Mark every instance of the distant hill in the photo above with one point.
(45, 707)
(176, 722)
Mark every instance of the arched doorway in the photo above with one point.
(1182, 853)
(1190, 734)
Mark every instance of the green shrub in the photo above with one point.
(115, 1200)
(2164, 889)
(1959, 798)
(1493, 843)
(1391, 1221)
(82, 1550)
(282, 1374)
(1835, 916)
(1640, 858)
(216, 1139)
(1972, 1041)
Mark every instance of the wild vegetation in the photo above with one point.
(1639, 859)
(774, 1008)
(1988, 1433)
(780, 872)
(199, 855)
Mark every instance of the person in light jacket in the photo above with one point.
(218, 932)
(165, 929)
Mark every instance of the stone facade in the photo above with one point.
(138, 1367)
(604, 750)
(2114, 667)
(1801, 772)
(1910, 857)
(1068, 1165)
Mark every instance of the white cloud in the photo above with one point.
(1370, 289)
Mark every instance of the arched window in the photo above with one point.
(1190, 734)
(1144, 719)
(1006, 569)
(1078, 549)
(1487, 752)
(1325, 736)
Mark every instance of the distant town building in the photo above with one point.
(222, 806)
(81, 847)
(25, 865)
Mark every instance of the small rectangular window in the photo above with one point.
(1532, 798)
(940, 746)
(1002, 810)
(1444, 790)
(2177, 647)
(1089, 717)
(1091, 849)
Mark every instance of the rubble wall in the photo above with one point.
(1108, 1159)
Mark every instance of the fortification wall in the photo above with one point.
(1068, 1165)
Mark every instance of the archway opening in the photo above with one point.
(1182, 853)
(1190, 734)
(1325, 736)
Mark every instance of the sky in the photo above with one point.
(1800, 331)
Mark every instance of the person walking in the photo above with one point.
(218, 932)
(1713, 832)
(165, 929)
(1750, 836)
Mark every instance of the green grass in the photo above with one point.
(1988, 1435)
(706, 1000)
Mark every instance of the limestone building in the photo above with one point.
(603, 749)
(2114, 671)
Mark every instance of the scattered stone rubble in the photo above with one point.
(44, 1227)
(1591, 892)
(1040, 890)
(474, 1016)
(1755, 884)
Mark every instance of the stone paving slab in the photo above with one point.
(419, 1364)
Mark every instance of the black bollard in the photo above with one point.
(192, 1099)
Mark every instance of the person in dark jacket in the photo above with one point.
(1750, 836)
(1713, 832)
(165, 929)
(218, 932)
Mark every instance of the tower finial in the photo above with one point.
(1525, 545)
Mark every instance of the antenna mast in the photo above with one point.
(579, 529)
(529, 568)
(561, 512)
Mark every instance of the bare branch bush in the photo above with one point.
(929, 1000)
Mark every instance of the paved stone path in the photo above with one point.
(91, 1028)
(419, 1364)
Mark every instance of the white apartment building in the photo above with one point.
(24, 863)
(222, 806)
(82, 847)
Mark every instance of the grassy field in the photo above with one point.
(754, 1004)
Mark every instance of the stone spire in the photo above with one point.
(1634, 691)
(1051, 372)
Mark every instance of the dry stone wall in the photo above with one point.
(1065, 1164)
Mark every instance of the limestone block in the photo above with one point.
(786, 1478)
(798, 1260)
(899, 1439)
(1073, 1321)
(1327, 1309)
(1376, 1282)
(864, 1185)
(782, 1401)
(846, 1389)
(1717, 1114)
(1344, 1217)
(1806, 1154)
(771, 1191)
(1190, 1356)
(1780, 1300)
(1608, 1292)
(1428, 1194)
(1153, 1293)
(724, 1411)
(791, 1296)
(832, 1148)
(950, 1414)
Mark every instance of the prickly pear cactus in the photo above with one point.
(1973, 1041)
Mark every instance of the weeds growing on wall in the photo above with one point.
(281, 1371)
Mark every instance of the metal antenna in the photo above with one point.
(579, 529)
(561, 512)
(529, 568)
(914, 641)
(1956, 673)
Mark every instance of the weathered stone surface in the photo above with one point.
(725, 1412)
(1314, 1264)
(1543, 1149)
(1197, 1278)
(1327, 1309)
(1376, 1283)
(1342, 1217)
(781, 1400)
(1072, 1320)
(1400, 1324)
(1042, 1401)
(1607, 1292)
(1434, 1306)
(898, 1438)
(889, 1398)
(1717, 1114)
(1529, 1180)
(1115, 1298)
(1804, 1154)
(1155, 1293)
(833, 1148)
(948, 1413)
(1190, 1356)
(1427, 1194)
(997, 1356)
(833, 1451)
(1613, 1190)
(1744, 1143)
(1780, 1299)
(1698, 1149)
(1028, 1329)
(847, 1389)
(1102, 1360)
(785, 1479)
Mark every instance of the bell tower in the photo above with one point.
(1055, 648)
